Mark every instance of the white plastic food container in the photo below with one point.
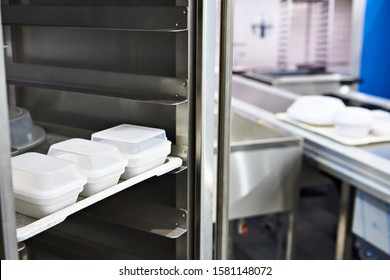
(353, 122)
(380, 127)
(380, 115)
(101, 163)
(24, 134)
(43, 185)
(314, 109)
(143, 147)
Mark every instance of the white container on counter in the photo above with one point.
(353, 122)
(315, 110)
(143, 147)
(381, 124)
(101, 163)
(43, 185)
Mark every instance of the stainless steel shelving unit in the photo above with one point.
(86, 67)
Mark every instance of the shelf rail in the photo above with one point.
(152, 89)
(158, 19)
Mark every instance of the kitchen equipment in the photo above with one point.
(145, 63)
(265, 162)
(303, 81)
(353, 122)
(43, 184)
(24, 134)
(101, 163)
(143, 147)
(315, 110)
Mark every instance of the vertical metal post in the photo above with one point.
(344, 235)
(224, 123)
(357, 34)
(7, 211)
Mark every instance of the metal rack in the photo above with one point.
(97, 65)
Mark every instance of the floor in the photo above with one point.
(264, 237)
(315, 236)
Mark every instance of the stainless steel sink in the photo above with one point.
(265, 163)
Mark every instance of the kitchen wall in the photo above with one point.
(252, 48)
(295, 32)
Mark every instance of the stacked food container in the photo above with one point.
(102, 164)
(143, 147)
(348, 121)
(44, 184)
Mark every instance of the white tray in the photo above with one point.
(27, 227)
(330, 132)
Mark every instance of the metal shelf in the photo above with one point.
(141, 215)
(160, 19)
(27, 227)
(152, 89)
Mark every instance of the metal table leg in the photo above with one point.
(292, 224)
(344, 235)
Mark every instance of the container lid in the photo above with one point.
(131, 138)
(93, 159)
(316, 110)
(40, 176)
(24, 134)
(148, 156)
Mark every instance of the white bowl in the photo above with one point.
(314, 109)
(353, 122)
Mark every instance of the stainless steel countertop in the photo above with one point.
(298, 79)
(365, 167)
(249, 131)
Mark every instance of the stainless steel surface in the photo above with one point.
(381, 150)
(263, 180)
(292, 223)
(362, 176)
(279, 79)
(224, 117)
(8, 244)
(144, 216)
(262, 96)
(366, 168)
(249, 132)
(265, 162)
(22, 251)
(104, 17)
(356, 165)
(148, 69)
(305, 84)
(14, 151)
(264, 165)
(357, 25)
(355, 98)
(153, 89)
(204, 166)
